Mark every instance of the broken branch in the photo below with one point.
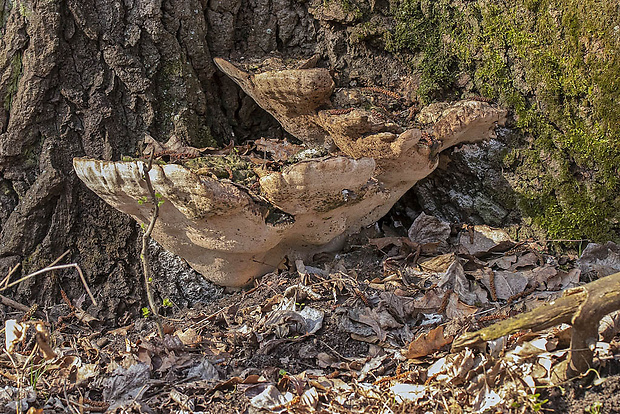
(582, 307)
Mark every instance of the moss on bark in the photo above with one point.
(556, 64)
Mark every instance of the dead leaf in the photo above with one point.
(456, 280)
(528, 259)
(122, 331)
(42, 340)
(485, 239)
(280, 150)
(603, 260)
(272, 399)
(189, 337)
(503, 262)
(507, 284)
(438, 264)
(540, 275)
(564, 280)
(428, 343)
(429, 229)
(174, 145)
(431, 301)
(457, 309)
(183, 400)
(83, 316)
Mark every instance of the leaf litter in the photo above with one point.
(367, 330)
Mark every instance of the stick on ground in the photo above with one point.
(582, 307)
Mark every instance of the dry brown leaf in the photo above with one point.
(563, 280)
(485, 239)
(503, 262)
(122, 331)
(189, 337)
(429, 229)
(540, 275)
(528, 259)
(438, 264)
(279, 150)
(457, 309)
(430, 301)
(428, 343)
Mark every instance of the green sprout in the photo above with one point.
(146, 312)
(160, 199)
(595, 408)
(167, 303)
(536, 403)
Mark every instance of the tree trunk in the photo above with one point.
(90, 78)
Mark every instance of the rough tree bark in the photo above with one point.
(90, 78)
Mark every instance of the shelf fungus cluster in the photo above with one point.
(361, 153)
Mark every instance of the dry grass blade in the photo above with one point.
(49, 269)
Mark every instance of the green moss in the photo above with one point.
(425, 30)
(223, 167)
(366, 31)
(556, 64)
(12, 84)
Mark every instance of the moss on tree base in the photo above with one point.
(556, 64)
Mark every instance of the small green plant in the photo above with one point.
(167, 303)
(36, 374)
(160, 199)
(142, 200)
(536, 402)
(282, 372)
(595, 408)
(146, 312)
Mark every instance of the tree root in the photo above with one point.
(582, 307)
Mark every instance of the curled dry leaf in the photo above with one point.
(485, 239)
(438, 264)
(272, 399)
(429, 229)
(428, 343)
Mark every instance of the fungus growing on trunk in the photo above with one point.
(231, 232)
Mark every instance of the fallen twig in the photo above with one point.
(15, 305)
(145, 240)
(49, 269)
(582, 307)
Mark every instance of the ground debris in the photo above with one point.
(367, 331)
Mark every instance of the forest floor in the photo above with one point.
(367, 330)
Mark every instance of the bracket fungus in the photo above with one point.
(232, 232)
